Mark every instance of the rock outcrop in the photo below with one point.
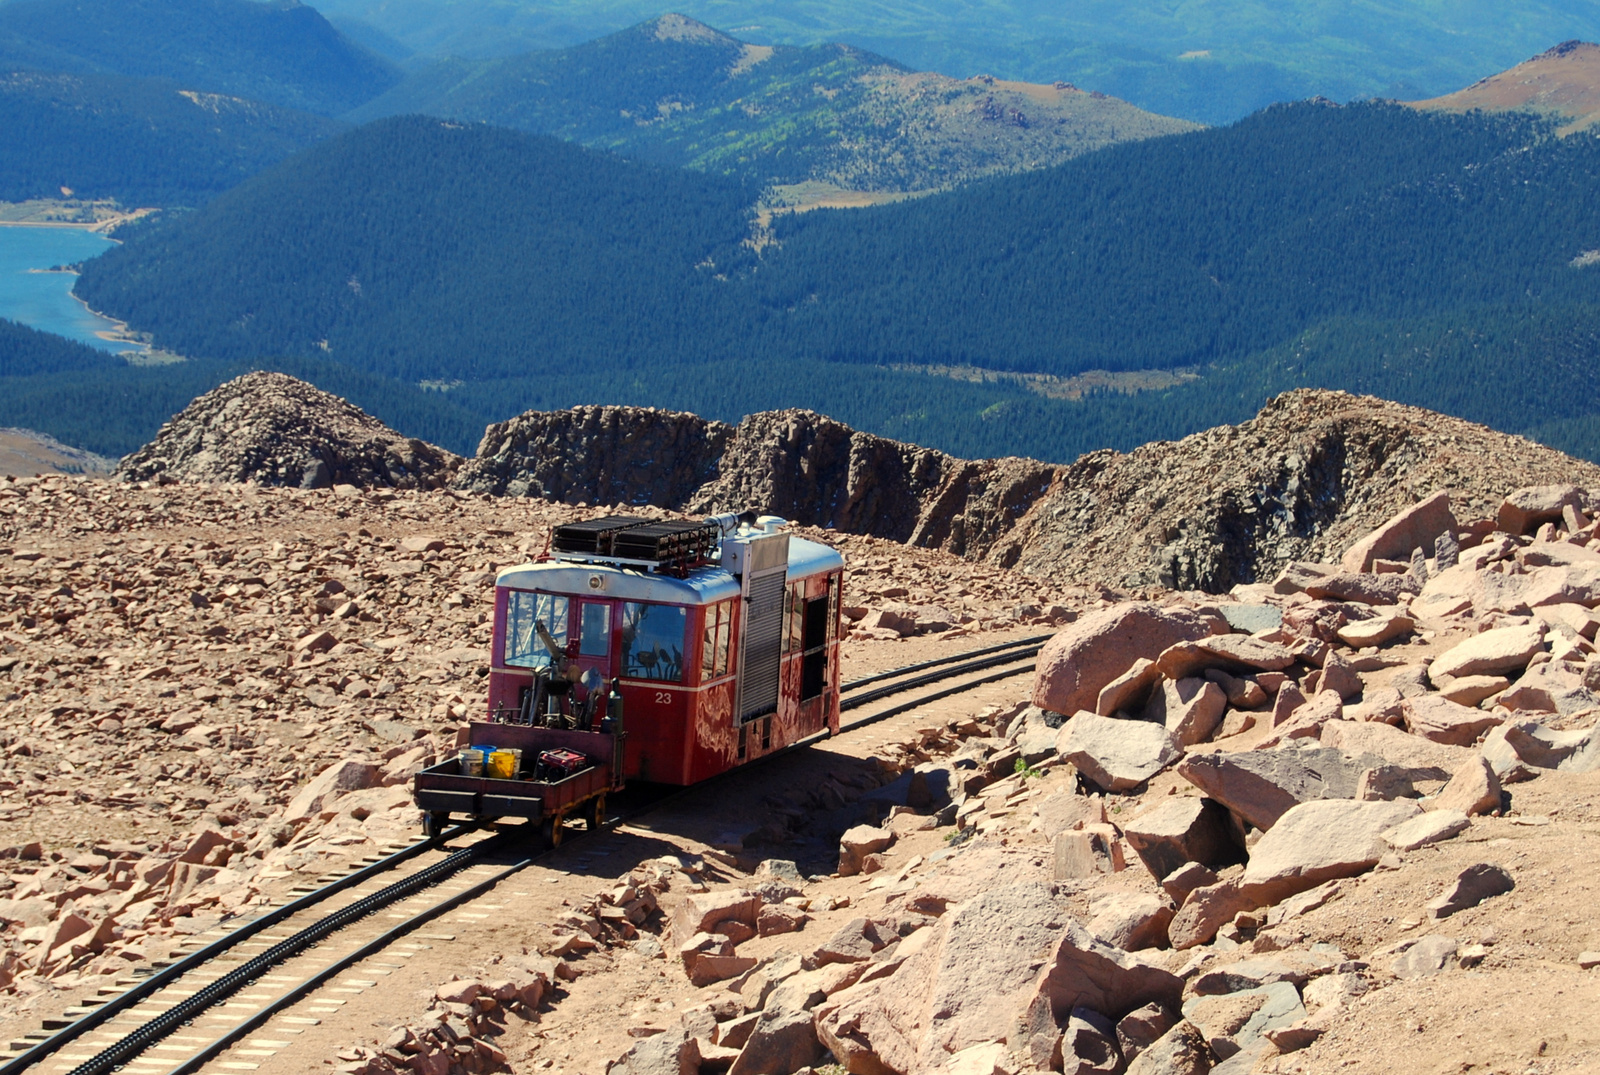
(272, 429)
(812, 469)
(1303, 480)
(598, 455)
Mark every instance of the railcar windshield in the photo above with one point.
(523, 646)
(653, 641)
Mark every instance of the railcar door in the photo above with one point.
(594, 641)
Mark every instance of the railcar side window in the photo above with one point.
(523, 648)
(724, 637)
(714, 652)
(793, 611)
(653, 640)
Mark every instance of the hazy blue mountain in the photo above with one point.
(675, 91)
(140, 142)
(1210, 62)
(279, 51)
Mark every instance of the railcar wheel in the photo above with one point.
(434, 823)
(550, 829)
(594, 812)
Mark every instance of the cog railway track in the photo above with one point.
(284, 966)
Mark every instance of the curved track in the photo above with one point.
(184, 1006)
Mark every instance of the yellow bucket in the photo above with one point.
(503, 764)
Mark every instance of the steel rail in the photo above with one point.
(167, 975)
(221, 1044)
(856, 701)
(922, 700)
(158, 1027)
(857, 684)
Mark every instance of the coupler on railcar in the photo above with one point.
(543, 762)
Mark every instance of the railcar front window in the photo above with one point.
(653, 640)
(523, 610)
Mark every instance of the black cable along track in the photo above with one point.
(159, 1027)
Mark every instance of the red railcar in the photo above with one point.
(680, 650)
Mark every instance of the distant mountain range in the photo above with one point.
(1209, 62)
(1422, 257)
(675, 91)
(137, 141)
(280, 52)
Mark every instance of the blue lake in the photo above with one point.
(44, 300)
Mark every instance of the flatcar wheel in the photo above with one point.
(550, 829)
(434, 823)
(594, 812)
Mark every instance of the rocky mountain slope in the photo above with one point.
(272, 429)
(1231, 505)
(1562, 82)
(1303, 479)
(674, 90)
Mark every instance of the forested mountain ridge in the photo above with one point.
(512, 245)
(1213, 63)
(139, 142)
(1562, 82)
(280, 51)
(1415, 256)
(674, 91)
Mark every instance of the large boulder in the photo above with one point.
(1415, 527)
(1205, 910)
(1083, 972)
(1419, 758)
(1530, 745)
(1362, 589)
(337, 779)
(783, 1040)
(1262, 785)
(1180, 1051)
(1524, 510)
(1115, 754)
(1190, 709)
(1504, 649)
(1180, 829)
(1079, 662)
(1131, 921)
(970, 981)
(1321, 841)
(1232, 652)
(1552, 687)
(1443, 721)
(1473, 789)
(674, 1052)
(859, 842)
